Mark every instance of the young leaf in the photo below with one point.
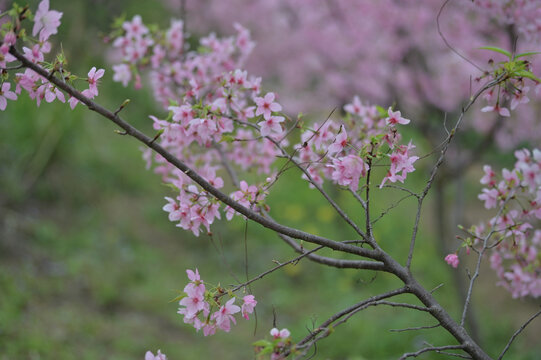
(498, 50)
(528, 75)
(262, 343)
(527, 54)
(178, 298)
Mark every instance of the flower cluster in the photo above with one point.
(524, 14)
(280, 343)
(515, 73)
(331, 55)
(217, 113)
(203, 308)
(513, 235)
(342, 152)
(46, 23)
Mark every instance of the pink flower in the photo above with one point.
(348, 170)
(490, 197)
(93, 77)
(452, 259)
(490, 176)
(500, 110)
(195, 300)
(193, 276)
(280, 334)
(35, 54)
(356, 107)
(6, 94)
(9, 39)
(159, 356)
(173, 208)
(73, 101)
(122, 74)
(519, 97)
(135, 28)
(265, 105)
(46, 22)
(209, 329)
(339, 143)
(248, 306)
(271, 125)
(183, 114)
(401, 163)
(224, 315)
(395, 117)
(52, 92)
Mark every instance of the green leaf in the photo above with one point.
(178, 298)
(203, 50)
(262, 343)
(266, 350)
(527, 54)
(171, 186)
(382, 111)
(227, 138)
(528, 75)
(498, 50)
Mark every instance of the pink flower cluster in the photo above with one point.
(524, 14)
(198, 304)
(216, 113)
(46, 23)
(331, 54)
(513, 91)
(516, 238)
(340, 152)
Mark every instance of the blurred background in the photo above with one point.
(89, 262)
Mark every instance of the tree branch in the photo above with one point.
(134, 132)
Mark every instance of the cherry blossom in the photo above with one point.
(93, 77)
(395, 117)
(224, 316)
(339, 143)
(271, 125)
(503, 111)
(248, 306)
(159, 356)
(356, 107)
(452, 259)
(348, 170)
(122, 74)
(46, 22)
(5, 93)
(515, 241)
(197, 304)
(266, 105)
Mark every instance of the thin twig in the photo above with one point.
(416, 328)
(478, 264)
(517, 333)
(431, 348)
(445, 39)
(280, 265)
(324, 327)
